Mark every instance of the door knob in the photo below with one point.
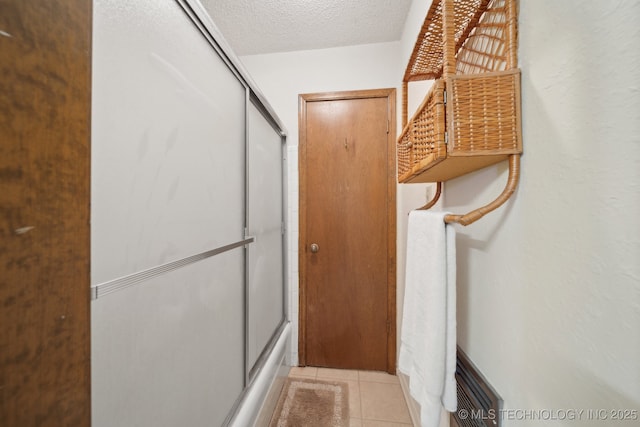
(315, 248)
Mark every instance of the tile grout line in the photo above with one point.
(358, 380)
(359, 398)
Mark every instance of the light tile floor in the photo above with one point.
(375, 398)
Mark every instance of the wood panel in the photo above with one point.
(347, 195)
(44, 212)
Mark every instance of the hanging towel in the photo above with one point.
(428, 335)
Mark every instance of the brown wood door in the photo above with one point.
(347, 209)
(45, 110)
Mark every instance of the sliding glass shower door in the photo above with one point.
(186, 221)
(265, 223)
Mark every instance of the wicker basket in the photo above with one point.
(471, 116)
(423, 139)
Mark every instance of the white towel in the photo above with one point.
(428, 336)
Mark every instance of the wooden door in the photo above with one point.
(347, 230)
(45, 105)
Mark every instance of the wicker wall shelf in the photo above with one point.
(470, 118)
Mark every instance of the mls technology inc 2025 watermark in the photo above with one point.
(551, 414)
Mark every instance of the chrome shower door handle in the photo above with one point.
(314, 248)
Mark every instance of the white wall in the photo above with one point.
(549, 285)
(282, 76)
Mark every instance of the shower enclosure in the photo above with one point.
(187, 223)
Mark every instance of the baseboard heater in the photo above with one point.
(478, 403)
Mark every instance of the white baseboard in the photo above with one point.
(414, 407)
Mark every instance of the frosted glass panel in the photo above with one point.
(266, 283)
(169, 352)
(171, 174)
(168, 140)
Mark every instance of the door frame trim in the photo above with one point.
(303, 99)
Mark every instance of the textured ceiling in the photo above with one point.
(267, 26)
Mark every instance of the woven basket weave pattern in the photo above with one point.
(428, 125)
(482, 114)
(428, 53)
(403, 149)
(485, 49)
